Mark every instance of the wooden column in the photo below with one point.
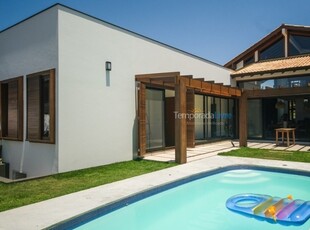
(180, 121)
(190, 107)
(243, 120)
(142, 119)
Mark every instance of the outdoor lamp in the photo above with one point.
(108, 66)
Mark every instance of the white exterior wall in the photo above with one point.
(95, 113)
(26, 48)
(96, 119)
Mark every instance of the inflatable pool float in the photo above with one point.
(280, 210)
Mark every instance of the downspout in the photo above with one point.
(24, 129)
(284, 33)
(22, 158)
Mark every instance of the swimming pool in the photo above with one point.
(198, 202)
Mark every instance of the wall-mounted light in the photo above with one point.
(108, 66)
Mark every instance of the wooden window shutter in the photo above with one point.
(52, 98)
(4, 110)
(1, 113)
(34, 111)
(13, 109)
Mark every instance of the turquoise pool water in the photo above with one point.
(200, 204)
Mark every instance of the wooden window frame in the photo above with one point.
(52, 93)
(20, 109)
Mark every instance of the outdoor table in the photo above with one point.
(287, 131)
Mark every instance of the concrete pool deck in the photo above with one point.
(46, 213)
(202, 151)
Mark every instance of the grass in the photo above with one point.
(27, 192)
(270, 154)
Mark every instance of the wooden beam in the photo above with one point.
(243, 120)
(190, 108)
(159, 85)
(195, 84)
(262, 93)
(180, 121)
(156, 75)
(216, 89)
(199, 79)
(168, 80)
(163, 79)
(187, 76)
(142, 119)
(206, 87)
(237, 92)
(224, 91)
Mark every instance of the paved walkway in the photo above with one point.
(46, 213)
(212, 149)
(199, 152)
(303, 147)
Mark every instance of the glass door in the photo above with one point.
(255, 120)
(199, 119)
(154, 119)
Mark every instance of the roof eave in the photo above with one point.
(267, 37)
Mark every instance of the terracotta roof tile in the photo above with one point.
(281, 64)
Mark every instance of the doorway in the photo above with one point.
(267, 114)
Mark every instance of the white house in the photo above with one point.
(61, 110)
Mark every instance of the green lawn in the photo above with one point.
(269, 154)
(22, 193)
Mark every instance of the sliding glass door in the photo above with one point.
(199, 120)
(154, 119)
(255, 120)
(214, 118)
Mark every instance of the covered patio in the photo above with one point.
(185, 87)
(279, 90)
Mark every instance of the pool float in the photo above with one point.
(273, 209)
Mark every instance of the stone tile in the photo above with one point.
(260, 145)
(281, 148)
(296, 147)
(305, 149)
(269, 146)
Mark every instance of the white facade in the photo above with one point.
(26, 48)
(95, 110)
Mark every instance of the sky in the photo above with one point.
(217, 30)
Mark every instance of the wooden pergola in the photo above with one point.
(185, 88)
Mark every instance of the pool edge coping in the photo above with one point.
(104, 209)
(45, 214)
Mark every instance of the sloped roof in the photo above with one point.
(269, 37)
(275, 65)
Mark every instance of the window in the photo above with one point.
(12, 109)
(299, 45)
(290, 82)
(276, 50)
(292, 110)
(249, 60)
(213, 117)
(41, 107)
